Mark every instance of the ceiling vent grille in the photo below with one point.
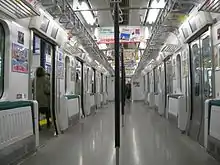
(211, 6)
(170, 48)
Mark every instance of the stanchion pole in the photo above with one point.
(117, 81)
(122, 86)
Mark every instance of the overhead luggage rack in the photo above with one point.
(18, 8)
(210, 6)
(70, 21)
(158, 30)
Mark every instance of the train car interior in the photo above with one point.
(125, 82)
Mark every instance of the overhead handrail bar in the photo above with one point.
(68, 17)
(160, 20)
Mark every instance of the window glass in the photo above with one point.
(185, 64)
(148, 82)
(101, 83)
(207, 67)
(67, 78)
(93, 80)
(87, 79)
(2, 53)
(169, 76)
(196, 69)
(179, 77)
(156, 80)
(106, 84)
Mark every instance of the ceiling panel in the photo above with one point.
(135, 14)
(104, 17)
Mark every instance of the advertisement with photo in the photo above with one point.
(19, 59)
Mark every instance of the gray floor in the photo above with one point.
(147, 139)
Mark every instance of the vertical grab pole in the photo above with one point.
(117, 81)
(122, 85)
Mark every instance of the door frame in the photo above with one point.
(53, 107)
(82, 84)
(199, 40)
(165, 78)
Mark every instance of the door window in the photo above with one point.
(207, 67)
(148, 82)
(2, 54)
(169, 76)
(196, 69)
(156, 80)
(67, 74)
(179, 77)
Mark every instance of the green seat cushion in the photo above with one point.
(70, 97)
(215, 102)
(4, 105)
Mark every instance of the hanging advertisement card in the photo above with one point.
(60, 65)
(19, 59)
(60, 69)
(130, 34)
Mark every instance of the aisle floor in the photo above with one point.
(146, 139)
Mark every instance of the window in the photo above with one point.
(93, 81)
(106, 84)
(102, 83)
(169, 77)
(207, 67)
(148, 82)
(179, 77)
(67, 73)
(87, 79)
(2, 54)
(156, 79)
(196, 70)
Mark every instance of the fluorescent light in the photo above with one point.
(102, 46)
(157, 4)
(142, 45)
(96, 62)
(146, 33)
(88, 58)
(158, 58)
(153, 13)
(87, 14)
(96, 33)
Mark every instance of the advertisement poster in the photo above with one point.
(130, 34)
(21, 37)
(130, 57)
(60, 64)
(19, 59)
(60, 69)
